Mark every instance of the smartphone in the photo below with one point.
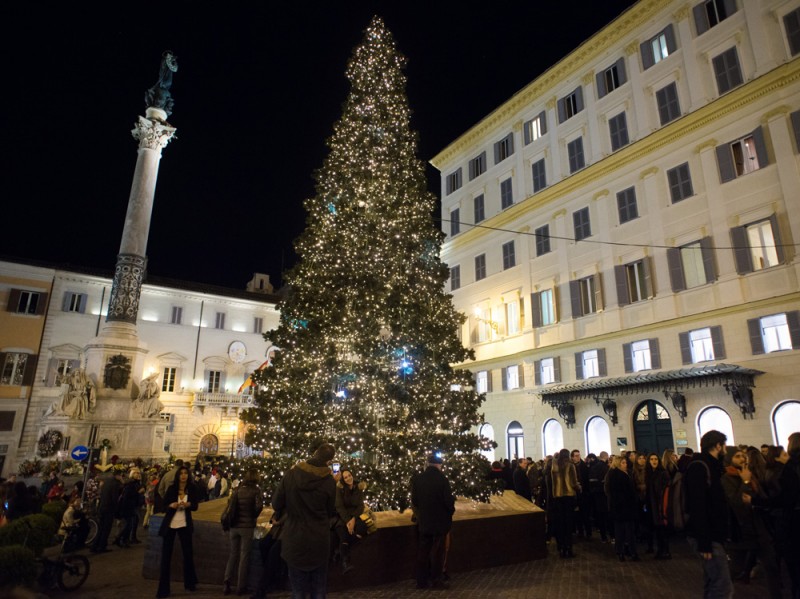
(335, 468)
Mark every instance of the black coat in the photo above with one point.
(433, 502)
(171, 496)
(129, 499)
(597, 477)
(349, 504)
(706, 503)
(109, 495)
(308, 495)
(249, 505)
(522, 485)
(622, 500)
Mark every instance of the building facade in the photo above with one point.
(622, 235)
(200, 344)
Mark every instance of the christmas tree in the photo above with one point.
(367, 334)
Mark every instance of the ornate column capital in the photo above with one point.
(681, 14)
(152, 134)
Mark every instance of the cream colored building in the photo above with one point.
(632, 280)
(201, 343)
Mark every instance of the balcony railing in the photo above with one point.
(226, 401)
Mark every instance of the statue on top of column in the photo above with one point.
(159, 95)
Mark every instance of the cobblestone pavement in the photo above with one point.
(595, 573)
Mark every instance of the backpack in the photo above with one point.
(678, 513)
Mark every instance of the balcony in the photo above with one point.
(230, 403)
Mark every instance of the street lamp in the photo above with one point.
(234, 429)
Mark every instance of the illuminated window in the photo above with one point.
(516, 448)
(168, 381)
(552, 437)
(714, 418)
(535, 128)
(13, 369)
(784, 421)
(702, 345)
(598, 436)
(778, 332)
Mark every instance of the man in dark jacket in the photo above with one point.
(522, 485)
(708, 511)
(433, 504)
(109, 500)
(583, 521)
(597, 476)
(307, 493)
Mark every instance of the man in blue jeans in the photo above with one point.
(307, 495)
(707, 506)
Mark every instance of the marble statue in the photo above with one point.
(148, 403)
(159, 95)
(78, 396)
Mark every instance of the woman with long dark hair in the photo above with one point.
(658, 480)
(181, 500)
(350, 528)
(249, 504)
(565, 489)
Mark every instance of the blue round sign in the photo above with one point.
(79, 453)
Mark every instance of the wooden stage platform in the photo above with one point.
(507, 530)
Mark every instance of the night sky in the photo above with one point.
(259, 87)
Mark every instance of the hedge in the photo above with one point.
(40, 534)
(17, 565)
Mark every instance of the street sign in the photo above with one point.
(79, 453)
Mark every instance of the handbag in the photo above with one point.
(230, 513)
(368, 518)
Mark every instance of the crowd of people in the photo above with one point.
(739, 507)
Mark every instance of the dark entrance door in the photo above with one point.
(652, 428)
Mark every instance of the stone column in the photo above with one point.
(153, 133)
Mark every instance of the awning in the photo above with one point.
(723, 375)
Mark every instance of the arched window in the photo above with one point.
(487, 430)
(714, 418)
(785, 421)
(598, 436)
(516, 448)
(209, 444)
(552, 437)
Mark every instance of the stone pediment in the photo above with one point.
(171, 359)
(66, 351)
(216, 362)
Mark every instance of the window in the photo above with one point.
(742, 156)
(514, 436)
(6, 424)
(757, 246)
(570, 105)
(506, 195)
(504, 148)
(453, 181)
(455, 222)
(590, 364)
(512, 378)
(478, 208)
(712, 12)
(176, 316)
(691, 265)
(13, 369)
(74, 302)
(546, 371)
(715, 419)
(509, 259)
(542, 235)
(669, 108)
(535, 128)
(658, 47)
(618, 129)
(784, 421)
(702, 345)
(455, 277)
(168, 381)
(514, 311)
(26, 302)
(483, 381)
(483, 325)
(214, 380)
(680, 183)
(219, 321)
(641, 355)
(480, 267)
(626, 205)
(487, 432)
(539, 175)
(598, 436)
(575, 154)
(611, 78)
(258, 325)
(477, 166)
(581, 224)
(543, 306)
(60, 369)
(634, 282)
(791, 22)
(727, 70)
(586, 296)
(552, 437)
(775, 333)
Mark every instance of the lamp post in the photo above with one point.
(234, 429)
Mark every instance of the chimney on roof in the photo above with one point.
(259, 284)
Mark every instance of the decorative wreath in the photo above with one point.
(50, 442)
